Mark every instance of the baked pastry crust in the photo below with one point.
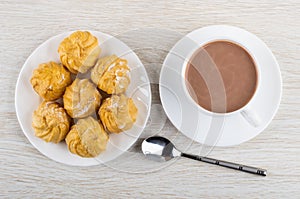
(111, 74)
(81, 98)
(50, 122)
(79, 51)
(50, 80)
(87, 138)
(118, 113)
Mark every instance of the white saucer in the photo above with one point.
(26, 100)
(232, 129)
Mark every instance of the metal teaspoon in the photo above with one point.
(161, 149)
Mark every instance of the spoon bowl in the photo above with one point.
(159, 149)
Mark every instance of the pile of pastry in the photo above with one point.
(83, 96)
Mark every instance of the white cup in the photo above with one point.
(247, 112)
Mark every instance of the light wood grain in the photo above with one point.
(26, 172)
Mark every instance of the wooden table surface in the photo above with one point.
(25, 172)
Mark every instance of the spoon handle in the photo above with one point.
(248, 169)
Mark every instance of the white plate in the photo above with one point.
(232, 129)
(26, 100)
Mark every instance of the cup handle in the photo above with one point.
(251, 117)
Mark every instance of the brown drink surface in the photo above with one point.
(237, 74)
